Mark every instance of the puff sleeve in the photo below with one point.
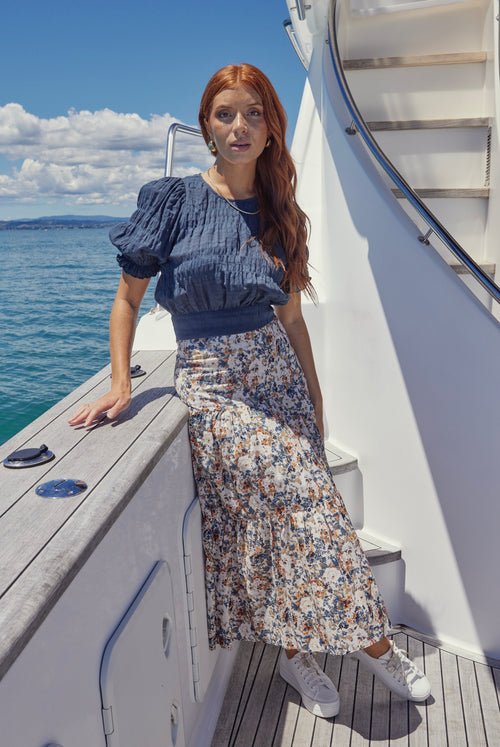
(145, 241)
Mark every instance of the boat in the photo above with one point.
(102, 607)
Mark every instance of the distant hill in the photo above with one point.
(60, 222)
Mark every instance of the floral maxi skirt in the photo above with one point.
(283, 563)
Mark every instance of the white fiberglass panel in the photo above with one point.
(439, 158)
(418, 92)
(140, 671)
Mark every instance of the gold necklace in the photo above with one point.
(246, 212)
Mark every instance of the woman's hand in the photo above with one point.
(122, 329)
(112, 403)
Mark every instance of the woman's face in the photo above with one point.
(237, 126)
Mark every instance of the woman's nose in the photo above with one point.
(240, 124)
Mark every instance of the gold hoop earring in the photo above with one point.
(268, 142)
(212, 147)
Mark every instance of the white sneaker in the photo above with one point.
(398, 673)
(317, 691)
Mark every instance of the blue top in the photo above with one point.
(215, 279)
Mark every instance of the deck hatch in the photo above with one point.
(139, 679)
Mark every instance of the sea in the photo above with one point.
(57, 287)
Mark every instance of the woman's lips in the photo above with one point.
(240, 146)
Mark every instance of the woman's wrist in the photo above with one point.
(121, 385)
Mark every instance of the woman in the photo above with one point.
(283, 563)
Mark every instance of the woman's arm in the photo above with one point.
(292, 320)
(122, 324)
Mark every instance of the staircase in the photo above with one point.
(431, 111)
(403, 349)
(385, 558)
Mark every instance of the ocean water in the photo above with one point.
(56, 291)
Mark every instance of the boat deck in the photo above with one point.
(261, 710)
(44, 543)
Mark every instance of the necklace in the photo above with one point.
(246, 212)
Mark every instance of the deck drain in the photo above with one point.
(61, 488)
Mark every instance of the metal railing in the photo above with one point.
(358, 125)
(290, 32)
(172, 132)
(301, 8)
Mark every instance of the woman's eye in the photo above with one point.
(255, 113)
(223, 115)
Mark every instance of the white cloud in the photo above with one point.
(88, 158)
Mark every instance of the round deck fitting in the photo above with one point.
(65, 488)
(135, 371)
(28, 457)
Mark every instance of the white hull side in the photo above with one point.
(51, 693)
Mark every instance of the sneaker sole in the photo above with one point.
(325, 710)
(418, 698)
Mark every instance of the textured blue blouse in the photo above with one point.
(215, 279)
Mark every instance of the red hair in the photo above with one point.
(281, 219)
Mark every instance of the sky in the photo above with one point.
(88, 91)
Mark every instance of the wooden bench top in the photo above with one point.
(45, 542)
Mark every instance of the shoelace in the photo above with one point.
(309, 671)
(400, 664)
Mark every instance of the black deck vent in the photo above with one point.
(28, 457)
(135, 371)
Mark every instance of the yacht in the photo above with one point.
(103, 639)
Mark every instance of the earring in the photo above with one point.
(211, 146)
(268, 142)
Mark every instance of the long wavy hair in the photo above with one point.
(281, 218)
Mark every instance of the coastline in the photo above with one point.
(59, 222)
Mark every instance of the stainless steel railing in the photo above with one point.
(359, 126)
(301, 8)
(290, 32)
(172, 132)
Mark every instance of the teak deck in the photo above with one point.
(261, 710)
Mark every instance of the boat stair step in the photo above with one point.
(431, 192)
(377, 551)
(439, 158)
(489, 268)
(424, 60)
(429, 124)
(339, 461)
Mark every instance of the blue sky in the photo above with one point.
(89, 89)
